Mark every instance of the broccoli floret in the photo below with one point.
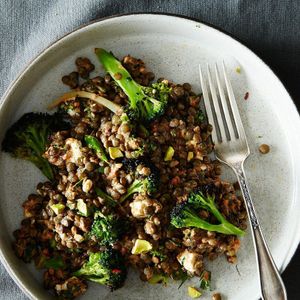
(107, 228)
(105, 268)
(145, 103)
(28, 138)
(50, 263)
(184, 214)
(141, 184)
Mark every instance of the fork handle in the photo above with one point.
(271, 284)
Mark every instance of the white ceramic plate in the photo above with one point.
(172, 47)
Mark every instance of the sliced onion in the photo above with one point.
(87, 95)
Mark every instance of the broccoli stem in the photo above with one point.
(106, 197)
(114, 67)
(225, 227)
(210, 205)
(133, 188)
(44, 166)
(95, 144)
(144, 130)
(87, 270)
(101, 280)
(145, 103)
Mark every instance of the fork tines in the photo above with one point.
(221, 107)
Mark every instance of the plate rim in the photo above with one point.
(36, 58)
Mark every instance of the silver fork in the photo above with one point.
(231, 148)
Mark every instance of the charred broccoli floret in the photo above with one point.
(185, 215)
(107, 228)
(145, 103)
(55, 262)
(28, 138)
(142, 184)
(105, 268)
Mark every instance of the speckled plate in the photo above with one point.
(172, 47)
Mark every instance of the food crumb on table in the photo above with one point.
(216, 296)
(264, 148)
(238, 70)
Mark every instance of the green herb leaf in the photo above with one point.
(205, 280)
(200, 116)
(158, 254)
(181, 275)
(101, 170)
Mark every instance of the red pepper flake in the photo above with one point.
(46, 252)
(246, 96)
(175, 180)
(116, 271)
(206, 275)
(154, 127)
(181, 172)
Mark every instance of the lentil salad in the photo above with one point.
(96, 156)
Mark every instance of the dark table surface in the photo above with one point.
(268, 27)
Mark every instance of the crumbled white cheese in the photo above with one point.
(74, 153)
(191, 261)
(139, 208)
